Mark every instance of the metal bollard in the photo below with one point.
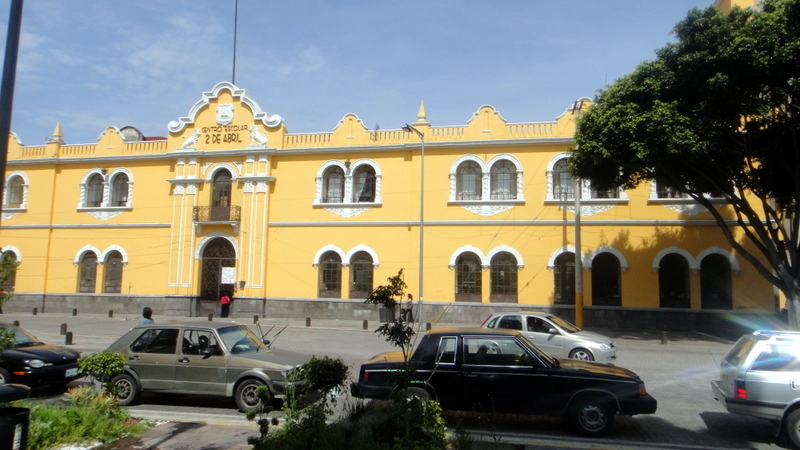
(68, 339)
(366, 324)
(255, 318)
(428, 326)
(16, 323)
(75, 312)
(210, 317)
(35, 311)
(110, 313)
(63, 329)
(308, 321)
(663, 337)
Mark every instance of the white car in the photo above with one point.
(556, 336)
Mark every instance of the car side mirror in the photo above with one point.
(552, 331)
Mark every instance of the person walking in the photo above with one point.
(408, 311)
(225, 301)
(147, 316)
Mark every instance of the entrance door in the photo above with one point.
(218, 253)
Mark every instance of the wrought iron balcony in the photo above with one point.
(211, 215)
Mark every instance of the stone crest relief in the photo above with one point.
(225, 114)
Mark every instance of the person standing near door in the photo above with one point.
(225, 301)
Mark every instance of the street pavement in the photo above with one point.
(677, 369)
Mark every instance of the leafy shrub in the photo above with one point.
(103, 367)
(89, 417)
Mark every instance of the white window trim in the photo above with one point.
(347, 208)
(589, 206)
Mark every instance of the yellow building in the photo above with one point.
(480, 216)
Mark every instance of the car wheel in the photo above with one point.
(128, 390)
(793, 428)
(592, 417)
(247, 395)
(5, 377)
(581, 354)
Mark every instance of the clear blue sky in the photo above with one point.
(91, 64)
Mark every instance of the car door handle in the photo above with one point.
(133, 358)
(185, 359)
(471, 375)
(795, 385)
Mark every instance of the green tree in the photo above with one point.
(716, 114)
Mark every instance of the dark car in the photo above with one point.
(33, 363)
(502, 371)
(210, 358)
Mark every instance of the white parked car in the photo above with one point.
(556, 336)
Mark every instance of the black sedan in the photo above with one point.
(30, 362)
(501, 371)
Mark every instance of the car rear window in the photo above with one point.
(778, 358)
(739, 351)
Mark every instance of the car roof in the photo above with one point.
(191, 324)
(474, 331)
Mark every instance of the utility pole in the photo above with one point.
(576, 111)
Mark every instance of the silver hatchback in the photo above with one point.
(760, 376)
(556, 336)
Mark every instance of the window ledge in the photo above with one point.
(347, 210)
(486, 208)
(104, 212)
(11, 212)
(589, 206)
(685, 205)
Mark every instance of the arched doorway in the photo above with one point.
(217, 254)
(606, 280)
(715, 283)
(673, 282)
(564, 279)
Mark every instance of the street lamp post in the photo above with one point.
(410, 129)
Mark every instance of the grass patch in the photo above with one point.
(88, 417)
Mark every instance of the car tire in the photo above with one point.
(247, 395)
(591, 416)
(5, 377)
(416, 393)
(581, 354)
(793, 428)
(128, 389)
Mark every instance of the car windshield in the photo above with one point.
(21, 338)
(563, 324)
(542, 355)
(240, 339)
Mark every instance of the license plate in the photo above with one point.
(71, 373)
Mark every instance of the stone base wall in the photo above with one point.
(728, 324)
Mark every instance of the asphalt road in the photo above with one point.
(677, 374)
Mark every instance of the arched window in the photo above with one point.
(119, 190)
(330, 276)
(563, 182)
(15, 192)
(468, 181)
(503, 278)
(606, 280)
(503, 180)
(221, 196)
(94, 191)
(9, 274)
(715, 282)
(113, 273)
(673, 282)
(468, 278)
(364, 184)
(333, 185)
(564, 279)
(664, 191)
(87, 273)
(361, 270)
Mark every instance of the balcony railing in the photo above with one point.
(210, 214)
